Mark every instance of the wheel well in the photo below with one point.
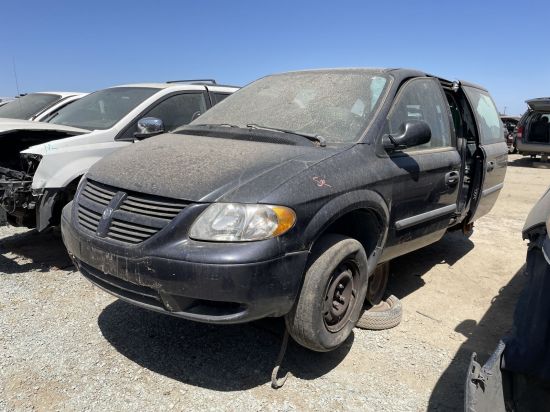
(65, 197)
(364, 225)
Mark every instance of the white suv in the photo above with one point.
(41, 163)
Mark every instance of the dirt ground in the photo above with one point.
(65, 345)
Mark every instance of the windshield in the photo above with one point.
(337, 105)
(102, 109)
(25, 107)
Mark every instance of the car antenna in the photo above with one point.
(16, 81)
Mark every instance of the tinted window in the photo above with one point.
(218, 97)
(337, 105)
(539, 128)
(27, 106)
(178, 110)
(422, 99)
(102, 109)
(488, 120)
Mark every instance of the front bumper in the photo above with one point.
(235, 289)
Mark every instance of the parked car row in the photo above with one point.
(36, 106)
(280, 200)
(42, 163)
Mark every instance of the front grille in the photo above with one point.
(135, 216)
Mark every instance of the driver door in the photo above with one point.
(425, 178)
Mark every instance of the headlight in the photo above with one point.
(236, 222)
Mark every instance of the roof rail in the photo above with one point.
(211, 81)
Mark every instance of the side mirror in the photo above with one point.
(149, 126)
(416, 132)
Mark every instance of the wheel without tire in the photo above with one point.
(332, 296)
(385, 315)
(378, 283)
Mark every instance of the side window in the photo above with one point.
(178, 110)
(489, 124)
(218, 97)
(422, 99)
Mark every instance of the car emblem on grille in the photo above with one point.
(107, 215)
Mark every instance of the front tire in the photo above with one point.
(332, 295)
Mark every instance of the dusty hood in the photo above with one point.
(10, 125)
(198, 168)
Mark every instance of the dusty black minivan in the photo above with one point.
(283, 199)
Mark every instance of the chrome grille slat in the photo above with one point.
(90, 213)
(129, 232)
(154, 222)
(135, 227)
(96, 198)
(155, 207)
(95, 186)
(147, 212)
(88, 219)
(129, 239)
(135, 218)
(87, 225)
(97, 193)
(90, 205)
(177, 205)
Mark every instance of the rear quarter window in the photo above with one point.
(487, 117)
(218, 97)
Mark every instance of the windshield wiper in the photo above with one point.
(213, 124)
(312, 137)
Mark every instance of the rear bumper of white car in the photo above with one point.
(532, 148)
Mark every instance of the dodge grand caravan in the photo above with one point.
(284, 198)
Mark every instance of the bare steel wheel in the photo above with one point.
(378, 283)
(340, 296)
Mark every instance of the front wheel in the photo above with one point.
(332, 296)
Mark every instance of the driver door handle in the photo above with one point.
(452, 178)
(490, 166)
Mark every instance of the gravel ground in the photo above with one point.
(66, 345)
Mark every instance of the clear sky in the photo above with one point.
(88, 45)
